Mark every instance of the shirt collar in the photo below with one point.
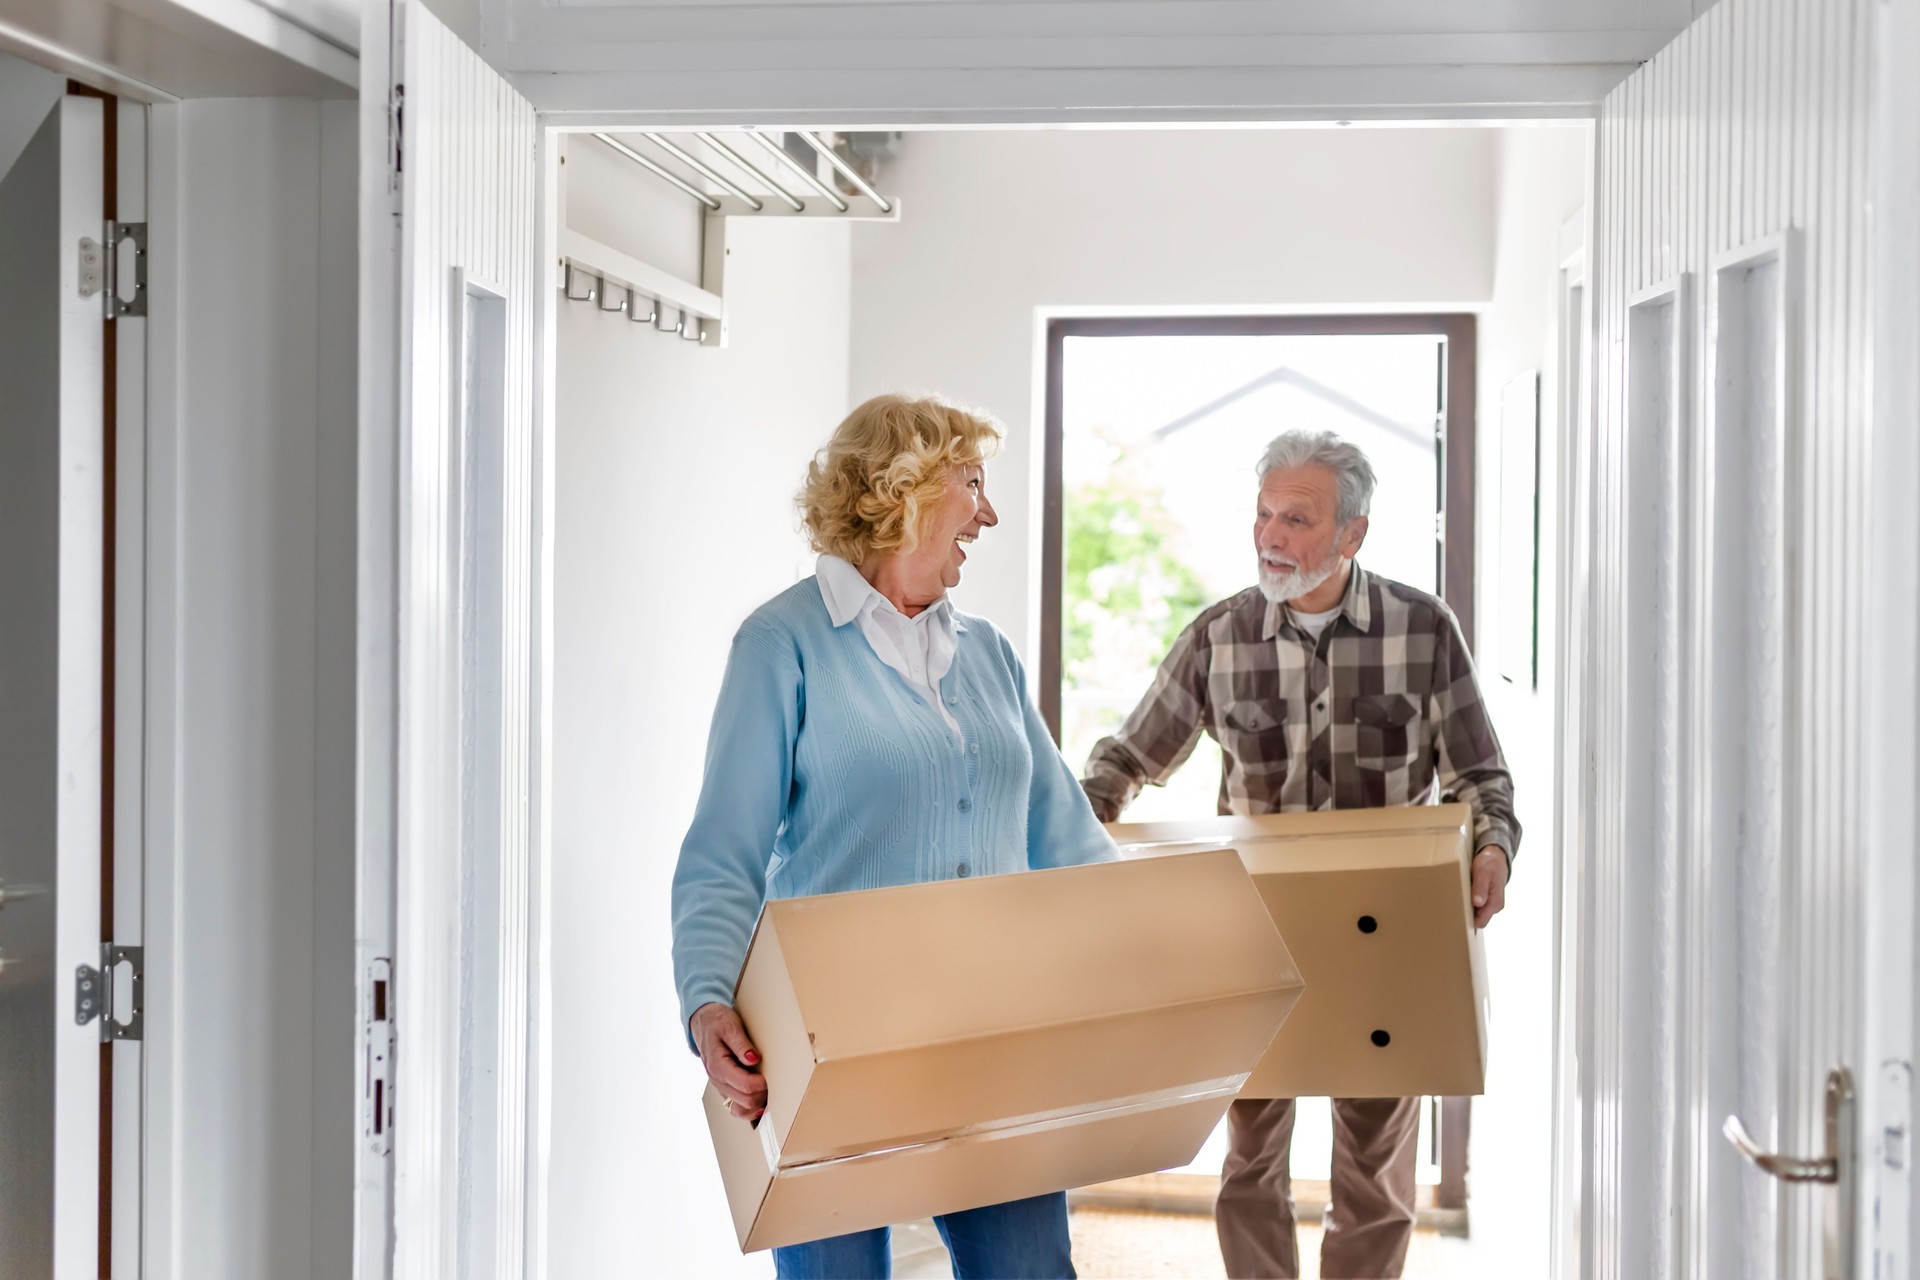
(847, 594)
(1356, 606)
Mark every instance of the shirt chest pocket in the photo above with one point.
(1256, 731)
(1388, 731)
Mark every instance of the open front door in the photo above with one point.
(449, 263)
(1732, 715)
(52, 660)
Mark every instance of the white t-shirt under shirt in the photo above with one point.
(920, 648)
(1313, 623)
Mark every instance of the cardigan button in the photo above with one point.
(966, 805)
(964, 870)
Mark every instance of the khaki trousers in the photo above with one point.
(1370, 1220)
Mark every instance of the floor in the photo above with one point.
(1114, 1244)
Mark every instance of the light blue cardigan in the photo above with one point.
(827, 772)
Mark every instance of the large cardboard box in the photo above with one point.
(1376, 906)
(939, 1047)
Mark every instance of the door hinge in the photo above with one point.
(96, 992)
(101, 265)
(376, 1103)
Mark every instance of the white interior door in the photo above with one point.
(52, 580)
(1719, 821)
(450, 254)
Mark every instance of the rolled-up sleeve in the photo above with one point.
(1469, 766)
(1159, 735)
(720, 881)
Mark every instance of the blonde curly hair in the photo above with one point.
(866, 491)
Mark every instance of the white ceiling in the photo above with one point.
(154, 50)
(881, 62)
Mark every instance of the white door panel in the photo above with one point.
(1723, 951)
(449, 294)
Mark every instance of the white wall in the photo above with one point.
(676, 468)
(251, 788)
(1541, 177)
(996, 226)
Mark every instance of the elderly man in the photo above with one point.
(1327, 687)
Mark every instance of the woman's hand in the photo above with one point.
(729, 1056)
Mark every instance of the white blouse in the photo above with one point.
(919, 648)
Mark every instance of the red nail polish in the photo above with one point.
(751, 1058)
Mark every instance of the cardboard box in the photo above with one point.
(939, 1047)
(1376, 906)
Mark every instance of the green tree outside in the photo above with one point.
(1127, 594)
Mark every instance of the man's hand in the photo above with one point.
(728, 1056)
(1489, 886)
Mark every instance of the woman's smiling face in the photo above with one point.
(951, 527)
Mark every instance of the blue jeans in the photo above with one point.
(1019, 1240)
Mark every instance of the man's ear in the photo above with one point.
(1352, 536)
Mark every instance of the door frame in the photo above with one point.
(1459, 472)
(1573, 359)
(1887, 1226)
(135, 1068)
(1460, 327)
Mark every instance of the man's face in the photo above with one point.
(1297, 532)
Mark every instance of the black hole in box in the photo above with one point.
(1382, 1039)
(1368, 924)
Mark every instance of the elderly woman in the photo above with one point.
(870, 734)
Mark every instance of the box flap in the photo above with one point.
(765, 1000)
(745, 1170)
(892, 969)
(1336, 840)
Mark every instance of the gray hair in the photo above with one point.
(1352, 473)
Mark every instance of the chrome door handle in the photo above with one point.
(1785, 1168)
(1835, 1170)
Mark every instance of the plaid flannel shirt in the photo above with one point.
(1383, 709)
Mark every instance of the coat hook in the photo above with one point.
(576, 281)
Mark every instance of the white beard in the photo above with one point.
(1282, 587)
